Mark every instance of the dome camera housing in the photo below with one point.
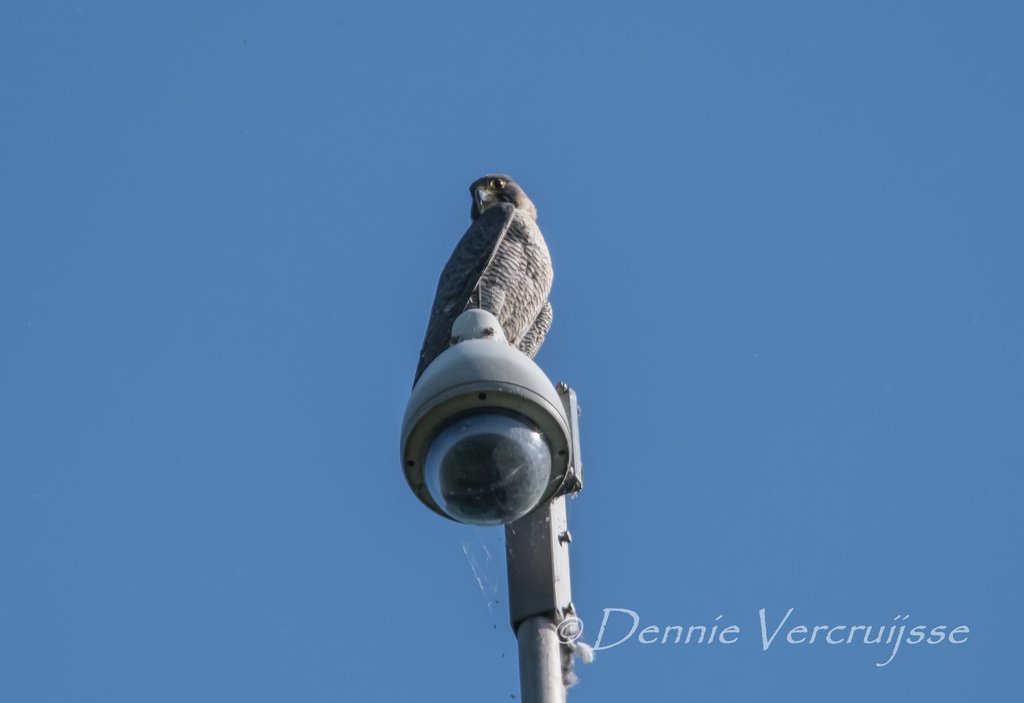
(486, 437)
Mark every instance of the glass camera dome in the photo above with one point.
(488, 467)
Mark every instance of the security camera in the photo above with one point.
(486, 437)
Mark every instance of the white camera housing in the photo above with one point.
(486, 437)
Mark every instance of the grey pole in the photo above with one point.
(539, 598)
(540, 661)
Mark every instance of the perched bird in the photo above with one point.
(501, 264)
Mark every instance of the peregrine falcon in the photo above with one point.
(501, 264)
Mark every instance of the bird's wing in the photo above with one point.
(534, 337)
(460, 276)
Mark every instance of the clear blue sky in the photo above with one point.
(787, 243)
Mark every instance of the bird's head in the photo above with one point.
(496, 188)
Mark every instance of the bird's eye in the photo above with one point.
(497, 183)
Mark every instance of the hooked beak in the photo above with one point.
(484, 199)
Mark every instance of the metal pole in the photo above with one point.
(537, 548)
(540, 662)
